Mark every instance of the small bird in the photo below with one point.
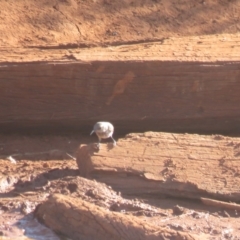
(103, 130)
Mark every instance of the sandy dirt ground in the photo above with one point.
(75, 30)
(71, 30)
(42, 168)
(191, 48)
(98, 22)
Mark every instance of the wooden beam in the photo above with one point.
(134, 95)
(79, 219)
(179, 165)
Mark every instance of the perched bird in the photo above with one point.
(103, 130)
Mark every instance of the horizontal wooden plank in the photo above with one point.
(179, 165)
(153, 94)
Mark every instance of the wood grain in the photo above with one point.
(150, 95)
(179, 165)
(79, 219)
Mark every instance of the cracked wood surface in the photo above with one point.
(179, 165)
(133, 95)
(79, 219)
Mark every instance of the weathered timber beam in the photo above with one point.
(179, 165)
(79, 219)
(134, 95)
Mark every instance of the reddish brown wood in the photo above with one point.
(79, 219)
(179, 165)
(134, 95)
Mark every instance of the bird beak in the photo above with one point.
(92, 132)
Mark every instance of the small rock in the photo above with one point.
(175, 226)
(177, 210)
(227, 233)
(197, 215)
(215, 232)
(26, 208)
(46, 165)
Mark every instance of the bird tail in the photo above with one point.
(92, 132)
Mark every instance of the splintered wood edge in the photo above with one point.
(86, 219)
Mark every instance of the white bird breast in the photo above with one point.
(103, 129)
